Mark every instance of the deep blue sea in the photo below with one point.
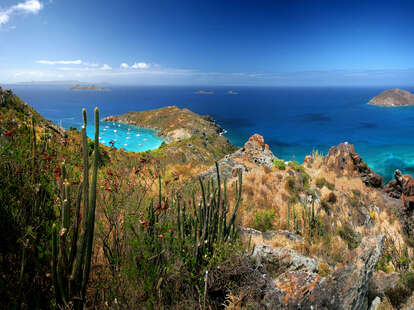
(294, 121)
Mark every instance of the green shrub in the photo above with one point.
(356, 193)
(384, 263)
(349, 236)
(263, 220)
(305, 178)
(293, 188)
(296, 166)
(320, 182)
(279, 164)
(324, 270)
(408, 280)
(330, 186)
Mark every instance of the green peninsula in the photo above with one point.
(189, 136)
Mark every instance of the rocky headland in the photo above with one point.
(171, 123)
(190, 137)
(393, 98)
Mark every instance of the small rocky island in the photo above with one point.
(232, 92)
(204, 92)
(87, 87)
(393, 98)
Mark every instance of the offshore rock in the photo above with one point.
(344, 161)
(345, 289)
(393, 98)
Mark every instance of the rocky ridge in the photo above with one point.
(344, 161)
(360, 205)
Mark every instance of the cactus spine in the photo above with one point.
(71, 270)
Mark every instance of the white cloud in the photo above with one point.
(26, 7)
(29, 6)
(4, 18)
(89, 64)
(106, 67)
(140, 65)
(67, 62)
(60, 62)
(137, 65)
(74, 69)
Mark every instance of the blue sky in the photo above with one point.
(224, 42)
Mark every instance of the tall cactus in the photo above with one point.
(72, 259)
(209, 224)
(288, 214)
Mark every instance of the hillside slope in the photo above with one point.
(325, 234)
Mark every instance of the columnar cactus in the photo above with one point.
(72, 259)
(208, 224)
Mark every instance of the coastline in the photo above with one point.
(157, 131)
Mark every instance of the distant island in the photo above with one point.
(87, 87)
(205, 92)
(393, 98)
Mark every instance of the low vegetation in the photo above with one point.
(279, 164)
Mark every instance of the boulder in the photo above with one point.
(375, 305)
(285, 257)
(346, 288)
(308, 159)
(255, 153)
(402, 187)
(407, 203)
(382, 282)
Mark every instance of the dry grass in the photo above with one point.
(265, 190)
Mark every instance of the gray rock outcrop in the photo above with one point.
(345, 289)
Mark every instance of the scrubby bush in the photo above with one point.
(27, 196)
(349, 236)
(320, 182)
(279, 164)
(324, 270)
(263, 220)
(296, 166)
